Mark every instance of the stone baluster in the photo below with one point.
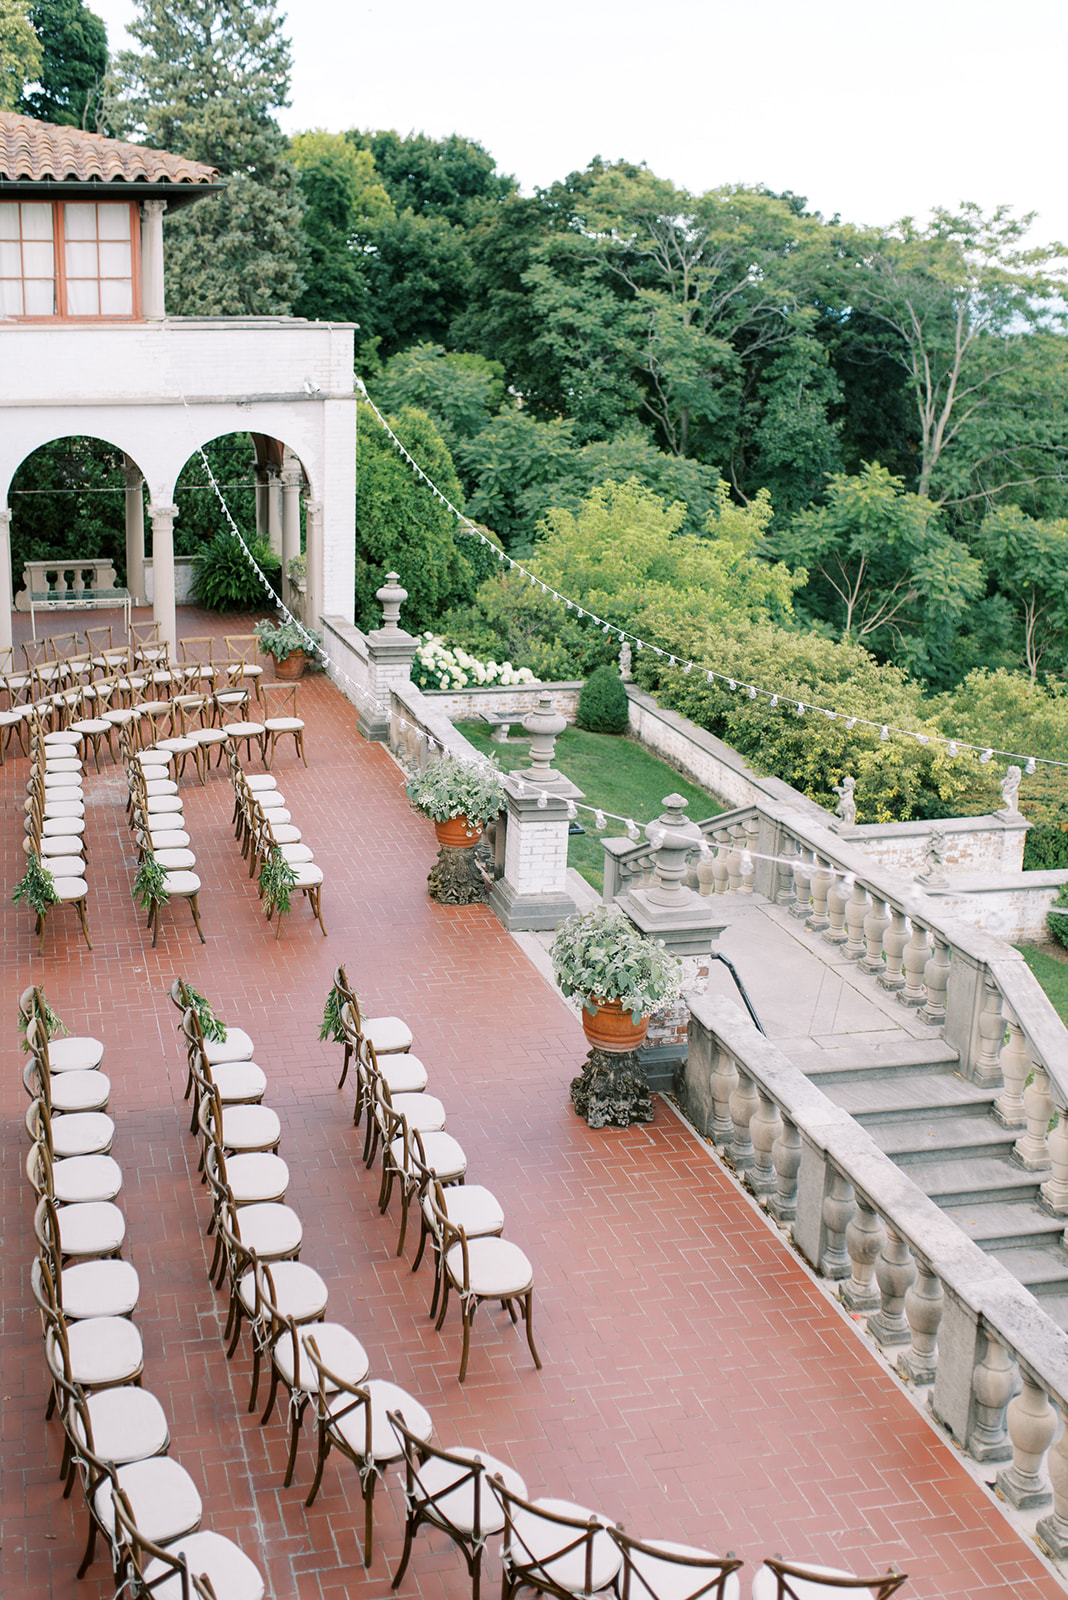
(837, 898)
(991, 1038)
(1031, 1148)
(748, 869)
(743, 1103)
(923, 1308)
(936, 982)
(785, 869)
(839, 1203)
(803, 866)
(1015, 1065)
(865, 1238)
(690, 879)
(722, 1084)
(855, 916)
(821, 880)
(734, 856)
(752, 840)
(720, 872)
(765, 1127)
(895, 1273)
(786, 1154)
(1052, 1531)
(1053, 1195)
(916, 955)
(895, 939)
(993, 1385)
(706, 874)
(875, 925)
(1032, 1423)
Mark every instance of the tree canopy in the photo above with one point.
(69, 84)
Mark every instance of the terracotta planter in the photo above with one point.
(292, 665)
(610, 1028)
(457, 832)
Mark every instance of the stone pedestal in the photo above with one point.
(611, 1091)
(532, 894)
(454, 879)
(683, 919)
(390, 652)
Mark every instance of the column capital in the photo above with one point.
(155, 511)
(291, 477)
(5, 517)
(153, 208)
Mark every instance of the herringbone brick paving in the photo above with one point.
(696, 1385)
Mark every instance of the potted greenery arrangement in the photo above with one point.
(459, 796)
(291, 646)
(621, 975)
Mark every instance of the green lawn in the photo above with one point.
(615, 774)
(1052, 974)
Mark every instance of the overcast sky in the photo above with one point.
(871, 110)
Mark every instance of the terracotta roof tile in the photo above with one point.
(31, 151)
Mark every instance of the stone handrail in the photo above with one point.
(964, 1327)
(69, 577)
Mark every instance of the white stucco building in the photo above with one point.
(86, 348)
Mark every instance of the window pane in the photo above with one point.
(113, 221)
(116, 298)
(10, 258)
(37, 260)
(10, 298)
(9, 220)
(115, 260)
(83, 299)
(79, 221)
(40, 299)
(36, 221)
(81, 259)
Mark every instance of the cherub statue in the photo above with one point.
(847, 805)
(625, 662)
(1010, 789)
(935, 859)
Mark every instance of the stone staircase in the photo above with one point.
(942, 1131)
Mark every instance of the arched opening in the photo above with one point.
(69, 503)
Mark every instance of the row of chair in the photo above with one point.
(145, 1505)
(266, 832)
(54, 826)
(283, 1302)
(158, 822)
(61, 659)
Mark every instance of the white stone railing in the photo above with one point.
(65, 581)
(952, 1319)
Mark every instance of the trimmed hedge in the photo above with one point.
(602, 706)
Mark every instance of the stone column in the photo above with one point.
(162, 518)
(274, 510)
(389, 651)
(291, 476)
(313, 515)
(135, 526)
(152, 291)
(5, 578)
(260, 473)
(533, 893)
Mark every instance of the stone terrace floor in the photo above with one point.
(697, 1384)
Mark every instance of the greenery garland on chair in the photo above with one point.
(53, 1024)
(277, 878)
(37, 887)
(150, 885)
(331, 1027)
(210, 1025)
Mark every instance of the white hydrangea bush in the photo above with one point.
(436, 666)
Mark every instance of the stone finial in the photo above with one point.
(544, 726)
(1010, 790)
(672, 837)
(392, 597)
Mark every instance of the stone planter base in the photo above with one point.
(454, 879)
(611, 1091)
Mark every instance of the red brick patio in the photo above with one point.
(697, 1385)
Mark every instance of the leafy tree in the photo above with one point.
(509, 463)
(461, 392)
(70, 81)
(67, 499)
(343, 201)
(881, 567)
(452, 178)
(793, 440)
(204, 85)
(1028, 561)
(401, 526)
(419, 270)
(21, 56)
(200, 517)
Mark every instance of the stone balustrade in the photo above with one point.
(951, 1319)
(64, 581)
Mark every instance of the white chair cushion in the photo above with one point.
(75, 1052)
(259, 1176)
(65, 820)
(104, 1350)
(339, 1350)
(62, 779)
(79, 1179)
(457, 1506)
(261, 782)
(385, 1396)
(66, 866)
(59, 847)
(444, 1155)
(210, 735)
(244, 730)
(60, 764)
(475, 1210)
(309, 876)
(272, 1230)
(173, 861)
(422, 1112)
(84, 1134)
(301, 1293)
(177, 746)
(163, 1498)
(271, 799)
(94, 1229)
(153, 758)
(157, 804)
(250, 1127)
(238, 1080)
(99, 1289)
(388, 1034)
(128, 1424)
(167, 838)
(211, 1555)
(283, 832)
(155, 786)
(181, 883)
(296, 854)
(80, 1091)
(497, 1267)
(668, 1581)
(91, 725)
(237, 1046)
(71, 888)
(404, 1073)
(533, 1536)
(282, 724)
(766, 1585)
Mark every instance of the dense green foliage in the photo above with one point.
(602, 704)
(21, 55)
(224, 579)
(1058, 923)
(69, 87)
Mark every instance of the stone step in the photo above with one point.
(1044, 1271)
(1006, 1224)
(929, 1139)
(927, 1094)
(891, 1058)
(974, 1180)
